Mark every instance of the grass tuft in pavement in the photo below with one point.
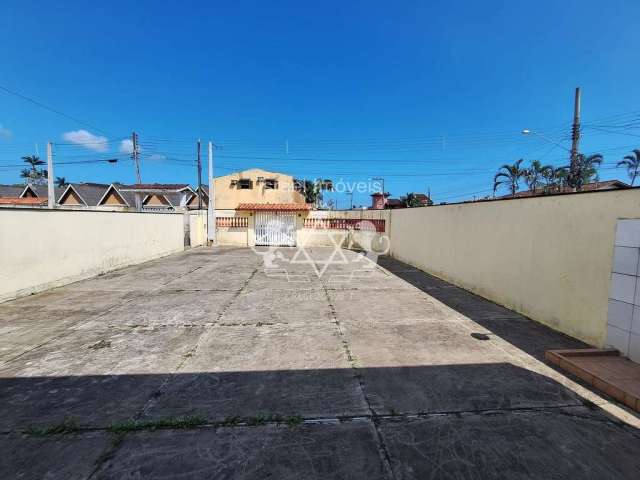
(69, 425)
(168, 422)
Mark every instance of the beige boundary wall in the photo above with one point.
(244, 236)
(41, 249)
(546, 257)
(355, 239)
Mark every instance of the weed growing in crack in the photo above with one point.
(256, 420)
(294, 420)
(231, 421)
(100, 344)
(169, 422)
(69, 425)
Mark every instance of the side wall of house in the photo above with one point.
(41, 249)
(229, 196)
(547, 257)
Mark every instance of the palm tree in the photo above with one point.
(312, 189)
(32, 174)
(508, 176)
(632, 164)
(535, 175)
(61, 181)
(410, 200)
(587, 170)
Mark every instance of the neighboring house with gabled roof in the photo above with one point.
(160, 196)
(192, 202)
(82, 195)
(13, 191)
(114, 199)
(40, 191)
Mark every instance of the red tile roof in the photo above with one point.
(273, 207)
(587, 187)
(22, 201)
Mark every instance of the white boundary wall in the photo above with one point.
(546, 257)
(41, 249)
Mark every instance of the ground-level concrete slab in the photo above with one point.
(549, 443)
(360, 371)
(323, 452)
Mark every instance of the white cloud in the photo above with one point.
(87, 140)
(5, 132)
(126, 146)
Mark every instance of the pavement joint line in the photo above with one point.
(192, 351)
(562, 410)
(383, 451)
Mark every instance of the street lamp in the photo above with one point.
(526, 131)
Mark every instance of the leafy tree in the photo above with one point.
(632, 164)
(33, 174)
(312, 189)
(508, 176)
(410, 200)
(586, 170)
(61, 181)
(536, 174)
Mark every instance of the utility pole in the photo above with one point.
(51, 203)
(575, 139)
(211, 211)
(199, 178)
(135, 154)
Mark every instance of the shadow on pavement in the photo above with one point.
(474, 421)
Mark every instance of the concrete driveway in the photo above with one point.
(208, 364)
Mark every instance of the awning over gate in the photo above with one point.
(274, 207)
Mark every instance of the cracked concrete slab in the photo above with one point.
(271, 369)
(283, 280)
(69, 457)
(73, 297)
(208, 278)
(354, 307)
(323, 452)
(94, 377)
(169, 307)
(566, 443)
(23, 329)
(278, 306)
(438, 366)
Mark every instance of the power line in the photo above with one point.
(51, 109)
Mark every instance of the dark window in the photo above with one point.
(271, 184)
(245, 184)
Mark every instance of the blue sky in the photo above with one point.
(429, 95)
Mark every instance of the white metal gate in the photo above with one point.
(276, 229)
